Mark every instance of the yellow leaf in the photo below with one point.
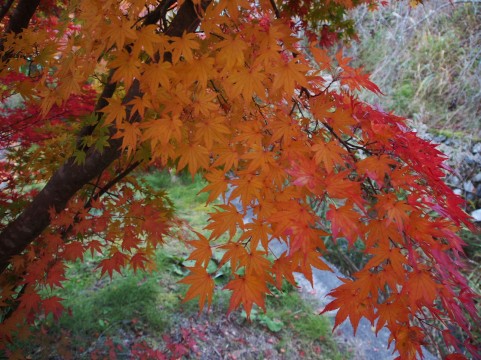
(183, 46)
(114, 111)
(194, 156)
(127, 68)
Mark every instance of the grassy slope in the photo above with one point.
(427, 61)
(114, 315)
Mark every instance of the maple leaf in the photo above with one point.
(203, 252)
(255, 263)
(257, 231)
(157, 74)
(246, 291)
(162, 131)
(199, 71)
(95, 246)
(30, 301)
(115, 111)
(194, 156)
(127, 68)
(376, 167)
(53, 305)
(138, 261)
(391, 312)
(408, 341)
(231, 52)
(247, 82)
(330, 154)
(115, 263)
(392, 255)
(235, 252)
(341, 187)
(147, 37)
(184, 46)
(283, 268)
(201, 285)
(226, 219)
(56, 275)
(212, 130)
(289, 74)
(422, 288)
(345, 221)
(139, 104)
(218, 183)
(305, 262)
(350, 303)
(119, 31)
(73, 251)
(395, 210)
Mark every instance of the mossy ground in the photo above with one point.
(108, 317)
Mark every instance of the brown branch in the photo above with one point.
(21, 16)
(71, 177)
(4, 8)
(100, 193)
(18, 21)
(276, 10)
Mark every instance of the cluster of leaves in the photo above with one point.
(272, 124)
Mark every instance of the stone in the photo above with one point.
(469, 159)
(468, 186)
(477, 148)
(477, 177)
(476, 214)
(453, 180)
(458, 192)
(439, 139)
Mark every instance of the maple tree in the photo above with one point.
(246, 94)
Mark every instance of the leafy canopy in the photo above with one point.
(246, 94)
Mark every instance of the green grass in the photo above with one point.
(425, 60)
(297, 325)
(185, 194)
(133, 307)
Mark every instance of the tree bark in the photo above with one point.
(21, 16)
(19, 19)
(71, 177)
(4, 8)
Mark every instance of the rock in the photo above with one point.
(439, 139)
(477, 178)
(458, 192)
(468, 186)
(477, 148)
(478, 191)
(470, 160)
(470, 197)
(476, 214)
(453, 180)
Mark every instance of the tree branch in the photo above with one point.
(71, 177)
(21, 16)
(4, 8)
(19, 20)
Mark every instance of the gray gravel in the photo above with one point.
(365, 345)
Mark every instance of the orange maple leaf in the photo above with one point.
(345, 221)
(203, 252)
(201, 285)
(246, 291)
(226, 219)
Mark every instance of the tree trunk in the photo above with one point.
(71, 177)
